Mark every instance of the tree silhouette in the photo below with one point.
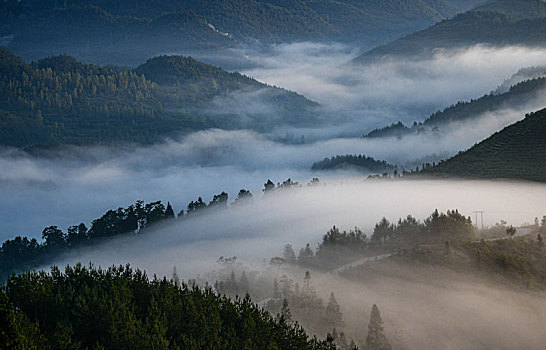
(333, 313)
(376, 339)
(169, 212)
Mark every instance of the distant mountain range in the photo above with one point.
(521, 95)
(103, 31)
(499, 23)
(516, 152)
(61, 100)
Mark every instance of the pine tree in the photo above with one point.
(333, 313)
(169, 212)
(286, 315)
(289, 255)
(376, 339)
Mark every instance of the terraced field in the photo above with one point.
(516, 152)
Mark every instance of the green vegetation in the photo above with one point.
(105, 31)
(504, 22)
(516, 152)
(516, 97)
(121, 308)
(341, 247)
(360, 162)
(60, 100)
(520, 261)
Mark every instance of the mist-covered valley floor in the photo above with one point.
(423, 307)
(48, 188)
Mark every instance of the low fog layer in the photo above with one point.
(303, 215)
(79, 184)
(393, 89)
(423, 308)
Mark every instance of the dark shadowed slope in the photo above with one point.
(519, 96)
(60, 100)
(500, 23)
(119, 32)
(516, 152)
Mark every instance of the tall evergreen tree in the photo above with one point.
(288, 254)
(376, 339)
(169, 212)
(333, 313)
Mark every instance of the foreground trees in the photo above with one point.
(121, 308)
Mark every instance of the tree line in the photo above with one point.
(23, 253)
(121, 308)
(339, 247)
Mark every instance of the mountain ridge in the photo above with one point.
(516, 152)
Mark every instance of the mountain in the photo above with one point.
(61, 100)
(528, 73)
(522, 95)
(516, 152)
(501, 22)
(103, 31)
(96, 35)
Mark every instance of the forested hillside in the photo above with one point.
(60, 100)
(500, 23)
(120, 31)
(353, 162)
(519, 96)
(121, 308)
(516, 152)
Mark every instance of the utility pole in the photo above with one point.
(481, 212)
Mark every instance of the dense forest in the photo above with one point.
(516, 152)
(500, 23)
(121, 308)
(359, 162)
(105, 31)
(518, 96)
(60, 100)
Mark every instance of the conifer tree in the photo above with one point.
(288, 254)
(286, 315)
(376, 339)
(333, 313)
(169, 212)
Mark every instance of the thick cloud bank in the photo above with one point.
(394, 89)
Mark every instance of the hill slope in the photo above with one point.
(116, 31)
(521, 95)
(501, 22)
(121, 308)
(60, 100)
(516, 152)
